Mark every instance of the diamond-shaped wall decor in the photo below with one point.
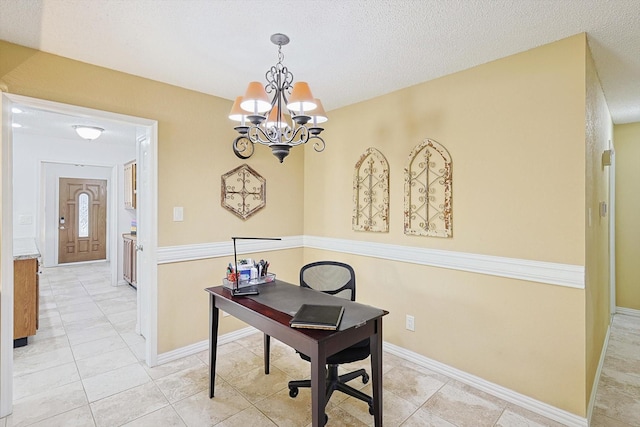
(244, 191)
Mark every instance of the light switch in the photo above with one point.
(178, 213)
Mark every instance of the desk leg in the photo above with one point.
(318, 383)
(213, 343)
(267, 353)
(376, 372)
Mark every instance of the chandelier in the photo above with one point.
(262, 120)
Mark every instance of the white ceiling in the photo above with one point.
(348, 50)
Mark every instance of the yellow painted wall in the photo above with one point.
(194, 150)
(515, 129)
(627, 146)
(599, 133)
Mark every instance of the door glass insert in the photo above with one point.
(83, 215)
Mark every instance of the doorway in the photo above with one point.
(82, 223)
(146, 143)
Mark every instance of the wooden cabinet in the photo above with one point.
(26, 290)
(130, 185)
(129, 270)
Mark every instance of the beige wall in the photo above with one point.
(194, 150)
(627, 146)
(515, 129)
(599, 133)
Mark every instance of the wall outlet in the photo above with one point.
(410, 323)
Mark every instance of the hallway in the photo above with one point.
(85, 368)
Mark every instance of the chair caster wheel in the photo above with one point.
(371, 409)
(326, 419)
(293, 391)
(365, 378)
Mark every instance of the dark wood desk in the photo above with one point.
(271, 311)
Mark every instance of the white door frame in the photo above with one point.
(148, 228)
(612, 231)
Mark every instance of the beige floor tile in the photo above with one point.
(105, 362)
(395, 410)
(41, 361)
(37, 382)
(618, 400)
(423, 418)
(414, 386)
(198, 410)
(233, 364)
(165, 417)
(113, 382)
(600, 420)
(255, 385)
(97, 347)
(47, 404)
(285, 411)
(338, 417)
(36, 347)
(79, 417)
(465, 406)
(91, 333)
(514, 416)
(249, 417)
(129, 405)
(174, 366)
(185, 383)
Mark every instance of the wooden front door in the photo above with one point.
(82, 222)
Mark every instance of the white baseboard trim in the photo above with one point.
(196, 348)
(503, 393)
(594, 389)
(628, 311)
(534, 271)
(533, 405)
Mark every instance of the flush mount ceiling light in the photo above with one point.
(88, 132)
(267, 123)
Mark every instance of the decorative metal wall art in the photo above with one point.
(428, 186)
(371, 192)
(244, 191)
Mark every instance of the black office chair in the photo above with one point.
(337, 279)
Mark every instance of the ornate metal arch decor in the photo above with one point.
(244, 191)
(427, 186)
(371, 192)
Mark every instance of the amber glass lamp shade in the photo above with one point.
(237, 114)
(255, 99)
(317, 114)
(272, 120)
(301, 99)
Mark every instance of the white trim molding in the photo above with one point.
(628, 311)
(533, 405)
(534, 271)
(170, 254)
(596, 380)
(196, 348)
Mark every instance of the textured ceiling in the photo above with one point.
(348, 50)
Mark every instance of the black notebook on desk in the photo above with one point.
(313, 316)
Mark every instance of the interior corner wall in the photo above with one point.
(194, 151)
(515, 129)
(627, 146)
(598, 133)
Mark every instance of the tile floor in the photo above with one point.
(84, 368)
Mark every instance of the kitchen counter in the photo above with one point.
(25, 248)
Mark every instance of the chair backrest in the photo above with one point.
(331, 277)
